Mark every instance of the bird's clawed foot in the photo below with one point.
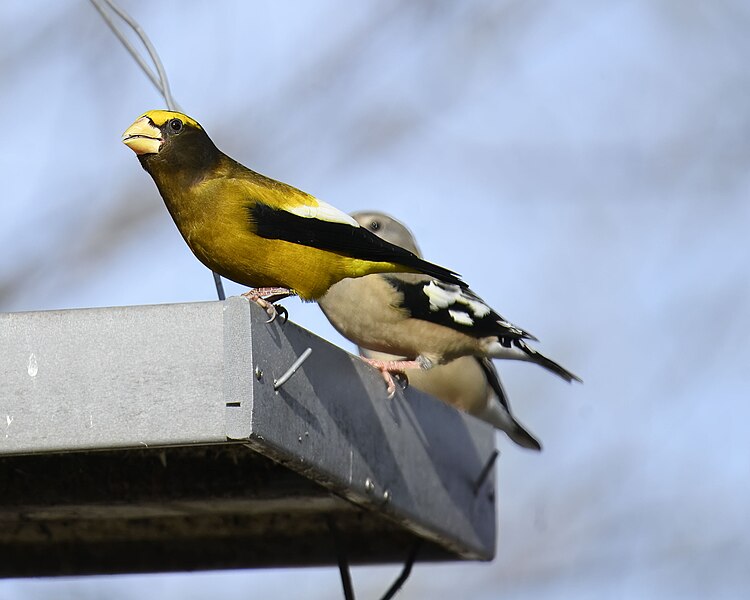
(389, 368)
(266, 298)
(276, 310)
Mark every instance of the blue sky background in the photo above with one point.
(585, 166)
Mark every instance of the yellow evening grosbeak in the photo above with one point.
(252, 229)
(427, 321)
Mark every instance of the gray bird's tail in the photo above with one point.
(498, 413)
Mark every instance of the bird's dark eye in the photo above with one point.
(374, 225)
(175, 125)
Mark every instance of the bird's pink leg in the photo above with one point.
(386, 367)
(259, 295)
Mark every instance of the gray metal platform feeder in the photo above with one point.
(151, 438)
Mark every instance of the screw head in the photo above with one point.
(258, 373)
(369, 485)
(387, 496)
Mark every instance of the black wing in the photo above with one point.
(356, 242)
(454, 307)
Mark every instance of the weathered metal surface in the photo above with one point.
(111, 377)
(412, 458)
(181, 377)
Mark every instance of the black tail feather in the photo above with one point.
(547, 363)
(517, 432)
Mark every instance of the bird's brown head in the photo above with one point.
(170, 141)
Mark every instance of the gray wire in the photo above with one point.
(128, 46)
(165, 89)
(159, 79)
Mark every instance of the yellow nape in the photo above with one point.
(159, 117)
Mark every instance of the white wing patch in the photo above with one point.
(461, 317)
(478, 308)
(440, 297)
(512, 328)
(443, 296)
(323, 212)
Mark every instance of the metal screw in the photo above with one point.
(258, 373)
(299, 439)
(387, 496)
(369, 485)
(277, 383)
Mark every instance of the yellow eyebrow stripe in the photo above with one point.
(159, 117)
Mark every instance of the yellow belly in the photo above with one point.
(258, 262)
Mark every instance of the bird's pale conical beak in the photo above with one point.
(142, 137)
